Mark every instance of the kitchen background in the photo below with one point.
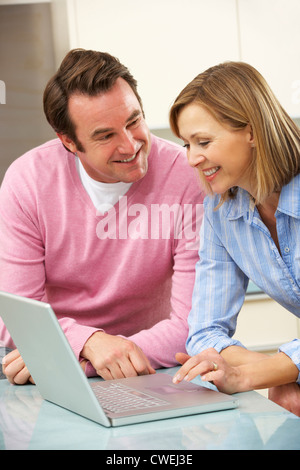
(165, 43)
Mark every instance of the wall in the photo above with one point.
(26, 63)
(164, 43)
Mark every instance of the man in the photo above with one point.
(102, 224)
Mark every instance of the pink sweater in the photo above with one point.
(115, 271)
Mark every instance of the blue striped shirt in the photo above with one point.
(236, 246)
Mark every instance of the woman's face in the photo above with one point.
(222, 155)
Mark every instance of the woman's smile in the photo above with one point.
(210, 172)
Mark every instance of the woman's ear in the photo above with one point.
(251, 137)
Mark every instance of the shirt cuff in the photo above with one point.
(292, 350)
(218, 343)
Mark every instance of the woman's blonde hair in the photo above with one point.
(236, 95)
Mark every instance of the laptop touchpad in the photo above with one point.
(163, 389)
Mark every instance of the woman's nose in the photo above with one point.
(195, 158)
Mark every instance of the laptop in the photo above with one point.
(60, 379)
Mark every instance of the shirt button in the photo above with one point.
(286, 250)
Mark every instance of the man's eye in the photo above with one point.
(134, 123)
(106, 137)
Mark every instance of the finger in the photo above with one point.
(128, 369)
(13, 368)
(187, 367)
(203, 368)
(183, 371)
(111, 371)
(10, 357)
(193, 367)
(83, 364)
(104, 373)
(121, 368)
(22, 377)
(182, 357)
(150, 369)
(141, 363)
(213, 376)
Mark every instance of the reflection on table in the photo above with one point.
(29, 422)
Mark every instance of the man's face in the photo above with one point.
(113, 134)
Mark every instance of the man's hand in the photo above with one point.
(114, 357)
(15, 369)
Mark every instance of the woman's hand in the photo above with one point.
(287, 396)
(246, 371)
(212, 368)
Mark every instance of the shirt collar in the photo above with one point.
(289, 201)
(243, 205)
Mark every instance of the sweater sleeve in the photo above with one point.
(22, 258)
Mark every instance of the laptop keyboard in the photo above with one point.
(118, 398)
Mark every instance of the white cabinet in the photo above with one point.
(263, 325)
(270, 41)
(164, 43)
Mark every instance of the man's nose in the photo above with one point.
(127, 144)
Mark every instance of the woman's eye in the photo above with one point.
(204, 143)
(186, 146)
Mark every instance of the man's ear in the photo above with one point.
(67, 142)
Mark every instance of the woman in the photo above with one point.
(247, 152)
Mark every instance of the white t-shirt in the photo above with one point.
(103, 195)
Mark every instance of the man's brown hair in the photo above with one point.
(85, 72)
